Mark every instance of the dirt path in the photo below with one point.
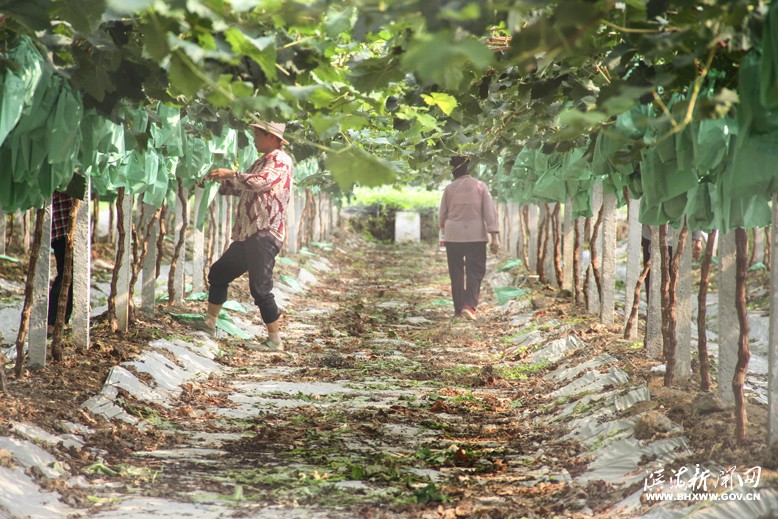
(384, 405)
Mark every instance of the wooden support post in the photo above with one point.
(608, 272)
(335, 222)
(292, 229)
(729, 326)
(512, 237)
(224, 221)
(521, 243)
(123, 281)
(2, 230)
(653, 341)
(502, 223)
(772, 353)
(326, 211)
(568, 237)
(578, 269)
(179, 283)
(317, 217)
(683, 314)
(533, 222)
(634, 256)
(148, 288)
(548, 241)
(595, 245)
(40, 299)
(82, 272)
(198, 245)
(27, 230)
(218, 228)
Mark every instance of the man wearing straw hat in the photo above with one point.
(264, 192)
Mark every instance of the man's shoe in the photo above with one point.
(266, 345)
(200, 326)
(468, 313)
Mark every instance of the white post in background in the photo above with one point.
(772, 352)
(729, 325)
(568, 243)
(608, 272)
(198, 245)
(40, 295)
(634, 255)
(532, 228)
(595, 243)
(148, 289)
(123, 281)
(759, 245)
(654, 339)
(82, 271)
(683, 314)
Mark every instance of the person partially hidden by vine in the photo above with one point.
(60, 223)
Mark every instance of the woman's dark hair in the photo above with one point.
(459, 164)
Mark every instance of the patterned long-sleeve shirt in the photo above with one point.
(264, 192)
(60, 215)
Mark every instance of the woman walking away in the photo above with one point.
(467, 217)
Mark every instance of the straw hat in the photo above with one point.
(276, 129)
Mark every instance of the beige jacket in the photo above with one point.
(467, 211)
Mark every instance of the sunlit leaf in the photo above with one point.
(445, 102)
(352, 166)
